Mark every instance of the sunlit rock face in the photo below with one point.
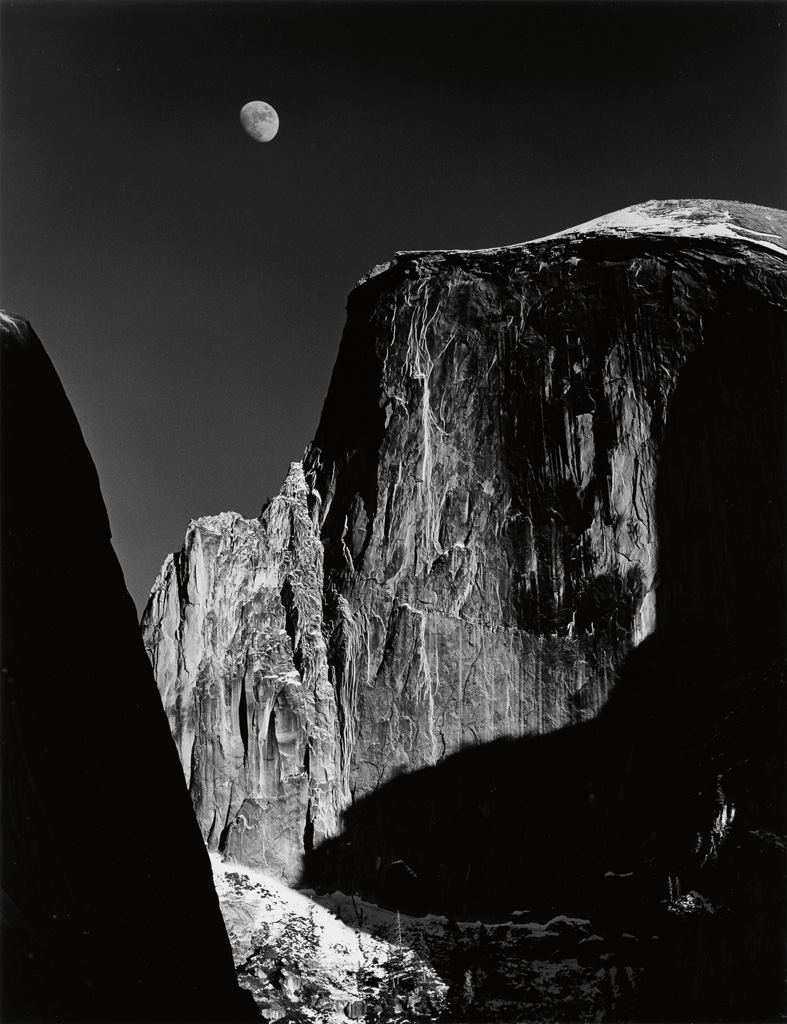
(234, 631)
(471, 548)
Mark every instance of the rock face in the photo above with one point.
(109, 913)
(475, 539)
(234, 631)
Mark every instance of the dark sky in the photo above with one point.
(189, 283)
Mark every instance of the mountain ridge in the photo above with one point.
(669, 218)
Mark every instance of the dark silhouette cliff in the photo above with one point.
(109, 912)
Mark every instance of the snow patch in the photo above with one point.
(672, 218)
(675, 219)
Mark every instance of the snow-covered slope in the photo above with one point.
(301, 961)
(689, 218)
(761, 226)
(333, 957)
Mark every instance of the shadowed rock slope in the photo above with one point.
(109, 913)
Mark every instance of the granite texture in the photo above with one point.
(470, 549)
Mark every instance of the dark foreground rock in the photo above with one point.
(109, 913)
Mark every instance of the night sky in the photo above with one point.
(189, 283)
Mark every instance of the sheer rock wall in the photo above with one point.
(470, 550)
(241, 663)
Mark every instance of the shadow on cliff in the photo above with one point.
(664, 815)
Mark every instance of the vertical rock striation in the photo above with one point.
(234, 630)
(473, 545)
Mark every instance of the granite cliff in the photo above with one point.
(109, 912)
(468, 550)
(512, 635)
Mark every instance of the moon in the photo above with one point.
(259, 120)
